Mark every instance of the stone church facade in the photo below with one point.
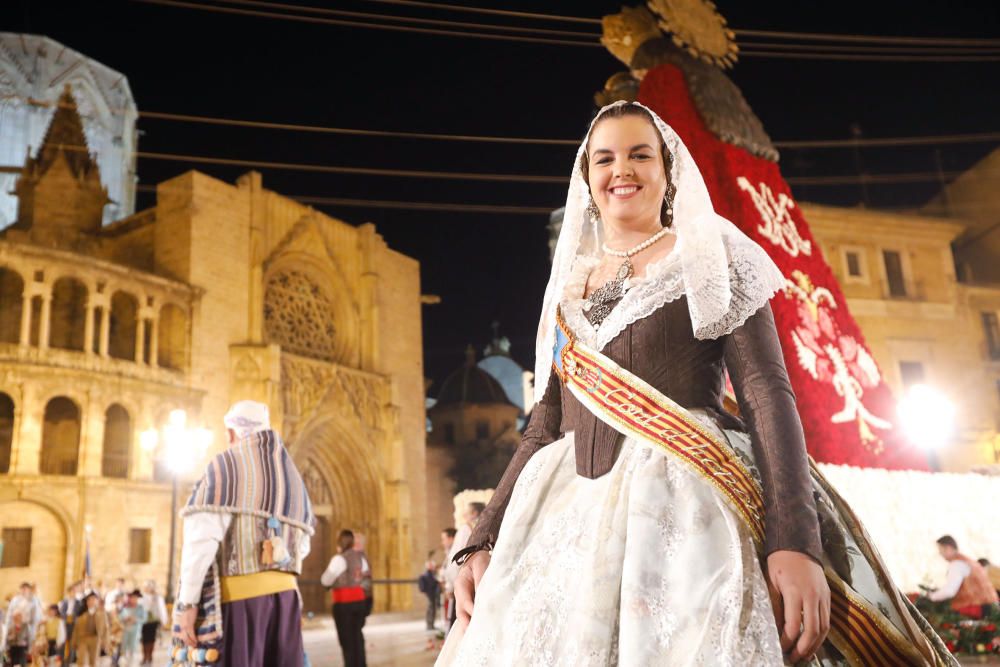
(218, 292)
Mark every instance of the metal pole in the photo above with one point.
(173, 539)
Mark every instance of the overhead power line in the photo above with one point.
(363, 24)
(913, 177)
(805, 55)
(408, 205)
(410, 19)
(808, 52)
(492, 12)
(878, 142)
(869, 39)
(364, 171)
(355, 132)
(774, 34)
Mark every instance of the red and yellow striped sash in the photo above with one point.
(641, 411)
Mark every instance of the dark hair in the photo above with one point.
(984, 562)
(947, 541)
(345, 540)
(54, 607)
(622, 111)
(450, 532)
(478, 508)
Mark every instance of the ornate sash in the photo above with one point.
(859, 631)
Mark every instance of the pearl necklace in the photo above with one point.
(637, 249)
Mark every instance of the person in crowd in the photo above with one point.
(19, 638)
(967, 586)
(248, 525)
(70, 607)
(90, 632)
(344, 574)
(24, 610)
(993, 572)
(115, 598)
(132, 617)
(54, 630)
(449, 570)
(156, 615)
(429, 586)
(366, 575)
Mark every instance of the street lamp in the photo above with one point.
(928, 418)
(180, 448)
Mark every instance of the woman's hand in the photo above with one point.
(466, 584)
(800, 597)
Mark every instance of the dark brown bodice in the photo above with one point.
(662, 350)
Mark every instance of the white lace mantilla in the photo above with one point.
(726, 276)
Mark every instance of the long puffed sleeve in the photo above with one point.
(542, 429)
(757, 370)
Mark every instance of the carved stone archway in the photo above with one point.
(346, 488)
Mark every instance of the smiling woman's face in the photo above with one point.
(625, 172)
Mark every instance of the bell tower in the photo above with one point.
(60, 195)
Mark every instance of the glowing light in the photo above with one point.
(149, 439)
(927, 416)
(182, 447)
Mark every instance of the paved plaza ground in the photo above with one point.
(399, 640)
(392, 640)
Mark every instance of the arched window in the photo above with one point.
(117, 442)
(172, 338)
(60, 437)
(69, 314)
(121, 342)
(11, 290)
(6, 431)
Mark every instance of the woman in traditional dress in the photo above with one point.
(639, 523)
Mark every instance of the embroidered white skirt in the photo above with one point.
(642, 566)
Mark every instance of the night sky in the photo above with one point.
(488, 267)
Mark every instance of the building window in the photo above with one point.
(16, 547)
(853, 264)
(911, 372)
(992, 329)
(6, 431)
(139, 541)
(894, 272)
(482, 430)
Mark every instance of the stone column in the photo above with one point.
(45, 328)
(26, 318)
(88, 329)
(140, 337)
(105, 331)
(29, 414)
(154, 339)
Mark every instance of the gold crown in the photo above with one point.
(695, 25)
(626, 31)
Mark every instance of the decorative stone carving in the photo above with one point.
(299, 316)
(316, 486)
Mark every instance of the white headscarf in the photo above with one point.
(727, 276)
(247, 418)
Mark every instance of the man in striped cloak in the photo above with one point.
(247, 529)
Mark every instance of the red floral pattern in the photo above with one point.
(751, 192)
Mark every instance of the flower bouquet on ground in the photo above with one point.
(961, 634)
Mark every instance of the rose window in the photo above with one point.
(299, 316)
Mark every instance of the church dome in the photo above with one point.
(471, 384)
